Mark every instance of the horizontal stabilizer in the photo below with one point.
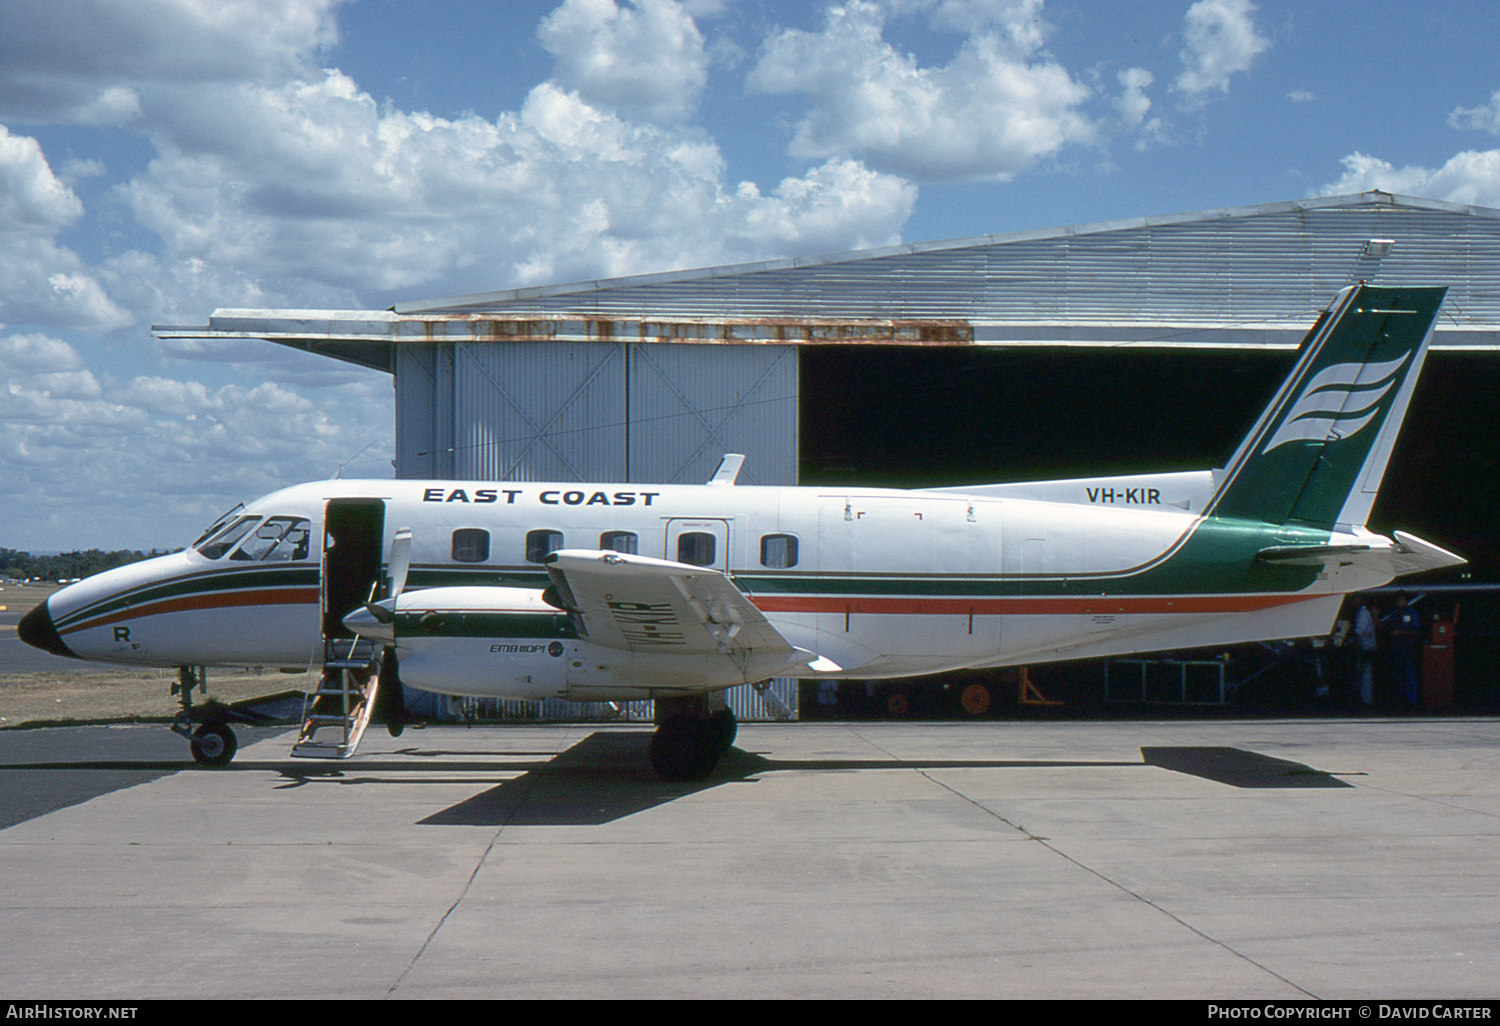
(1388, 559)
(1308, 555)
(1414, 555)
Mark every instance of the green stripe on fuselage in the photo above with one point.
(504, 624)
(208, 582)
(1218, 557)
(471, 576)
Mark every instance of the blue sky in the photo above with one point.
(160, 159)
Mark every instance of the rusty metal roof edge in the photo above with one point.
(1184, 335)
(333, 327)
(789, 331)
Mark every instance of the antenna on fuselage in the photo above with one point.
(729, 469)
(340, 471)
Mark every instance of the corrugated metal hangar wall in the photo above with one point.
(595, 411)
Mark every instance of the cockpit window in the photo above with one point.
(215, 527)
(278, 540)
(226, 537)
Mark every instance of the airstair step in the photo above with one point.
(342, 702)
(319, 750)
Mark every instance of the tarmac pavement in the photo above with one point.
(1253, 860)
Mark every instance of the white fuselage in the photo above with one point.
(875, 583)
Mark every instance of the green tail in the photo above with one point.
(1317, 455)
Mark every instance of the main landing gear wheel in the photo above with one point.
(682, 749)
(214, 744)
(691, 733)
(722, 729)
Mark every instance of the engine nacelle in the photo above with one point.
(511, 643)
(482, 641)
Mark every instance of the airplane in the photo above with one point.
(626, 591)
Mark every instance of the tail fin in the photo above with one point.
(1317, 454)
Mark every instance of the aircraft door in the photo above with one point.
(699, 542)
(353, 553)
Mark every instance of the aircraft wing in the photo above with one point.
(670, 613)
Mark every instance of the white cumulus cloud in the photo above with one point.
(1220, 40)
(313, 194)
(1485, 118)
(83, 61)
(47, 366)
(991, 113)
(645, 60)
(31, 197)
(152, 457)
(41, 281)
(1470, 177)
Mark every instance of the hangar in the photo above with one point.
(652, 378)
(1138, 344)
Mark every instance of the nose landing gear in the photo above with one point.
(214, 745)
(212, 741)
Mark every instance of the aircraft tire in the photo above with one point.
(213, 745)
(682, 750)
(722, 730)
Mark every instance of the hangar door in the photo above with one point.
(690, 404)
(602, 411)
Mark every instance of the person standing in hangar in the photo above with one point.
(1365, 644)
(1405, 627)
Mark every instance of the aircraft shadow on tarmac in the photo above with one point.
(1239, 767)
(607, 776)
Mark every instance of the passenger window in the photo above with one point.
(278, 540)
(540, 543)
(224, 540)
(696, 548)
(619, 541)
(778, 551)
(471, 545)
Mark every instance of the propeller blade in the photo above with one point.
(390, 701)
(400, 561)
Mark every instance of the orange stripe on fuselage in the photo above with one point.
(193, 603)
(1026, 605)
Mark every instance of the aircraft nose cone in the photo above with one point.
(37, 630)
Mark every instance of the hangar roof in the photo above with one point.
(1245, 277)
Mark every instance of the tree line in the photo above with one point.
(65, 566)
